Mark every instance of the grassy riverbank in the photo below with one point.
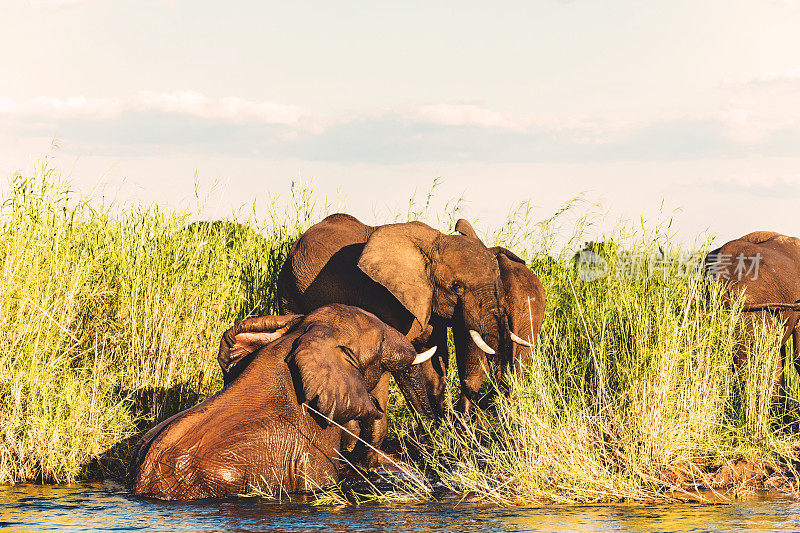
(631, 395)
(110, 322)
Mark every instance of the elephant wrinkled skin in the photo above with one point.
(410, 275)
(257, 432)
(765, 266)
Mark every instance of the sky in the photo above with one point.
(648, 109)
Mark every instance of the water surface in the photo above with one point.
(107, 506)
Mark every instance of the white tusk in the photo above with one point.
(476, 337)
(424, 356)
(519, 340)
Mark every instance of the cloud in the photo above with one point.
(749, 126)
(757, 184)
(773, 78)
(56, 4)
(189, 103)
(145, 132)
(229, 108)
(63, 108)
(188, 120)
(791, 76)
(395, 139)
(460, 115)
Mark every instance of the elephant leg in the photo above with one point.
(502, 372)
(796, 348)
(348, 439)
(779, 379)
(783, 360)
(374, 431)
(434, 370)
(751, 321)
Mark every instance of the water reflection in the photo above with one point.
(106, 506)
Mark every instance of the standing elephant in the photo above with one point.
(257, 432)
(524, 305)
(410, 275)
(765, 266)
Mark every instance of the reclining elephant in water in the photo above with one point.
(765, 266)
(257, 432)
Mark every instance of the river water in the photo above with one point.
(106, 506)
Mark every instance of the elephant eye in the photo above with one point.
(458, 288)
(351, 356)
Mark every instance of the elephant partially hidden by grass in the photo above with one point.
(524, 304)
(257, 432)
(765, 267)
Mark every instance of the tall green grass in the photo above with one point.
(110, 320)
(632, 378)
(110, 323)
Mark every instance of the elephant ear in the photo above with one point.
(393, 258)
(499, 250)
(331, 383)
(465, 228)
(248, 335)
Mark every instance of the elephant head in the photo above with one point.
(524, 308)
(451, 276)
(338, 356)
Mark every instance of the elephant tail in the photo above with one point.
(773, 306)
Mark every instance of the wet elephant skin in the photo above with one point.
(256, 432)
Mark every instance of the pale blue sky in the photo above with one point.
(629, 101)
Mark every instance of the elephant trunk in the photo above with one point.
(411, 385)
(483, 317)
(477, 344)
(275, 324)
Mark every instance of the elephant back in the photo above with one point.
(313, 252)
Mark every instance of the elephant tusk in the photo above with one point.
(476, 338)
(424, 356)
(519, 340)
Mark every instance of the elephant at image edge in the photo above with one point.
(410, 275)
(775, 289)
(524, 304)
(256, 432)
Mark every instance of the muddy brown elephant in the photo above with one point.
(258, 431)
(410, 275)
(765, 266)
(524, 306)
